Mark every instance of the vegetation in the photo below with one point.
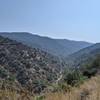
(32, 74)
(30, 68)
(92, 68)
(74, 77)
(90, 90)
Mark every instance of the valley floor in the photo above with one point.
(90, 90)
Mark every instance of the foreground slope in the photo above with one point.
(59, 47)
(30, 68)
(90, 90)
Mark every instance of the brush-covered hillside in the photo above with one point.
(26, 67)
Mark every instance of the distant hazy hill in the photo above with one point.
(59, 47)
(84, 55)
(31, 68)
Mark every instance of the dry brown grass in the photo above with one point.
(13, 95)
(90, 90)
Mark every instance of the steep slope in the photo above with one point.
(31, 68)
(84, 55)
(58, 47)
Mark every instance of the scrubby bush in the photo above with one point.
(11, 78)
(39, 86)
(90, 72)
(40, 97)
(61, 87)
(96, 62)
(3, 73)
(74, 77)
(92, 68)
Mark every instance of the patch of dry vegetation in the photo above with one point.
(90, 90)
(13, 95)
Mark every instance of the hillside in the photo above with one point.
(84, 56)
(58, 47)
(27, 72)
(90, 90)
(71, 46)
(30, 68)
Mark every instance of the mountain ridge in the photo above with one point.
(58, 47)
(84, 56)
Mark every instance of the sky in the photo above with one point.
(68, 19)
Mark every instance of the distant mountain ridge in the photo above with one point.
(58, 47)
(84, 56)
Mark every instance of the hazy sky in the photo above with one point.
(70, 19)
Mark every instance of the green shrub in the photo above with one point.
(39, 86)
(11, 78)
(40, 97)
(74, 78)
(60, 87)
(3, 73)
(92, 68)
